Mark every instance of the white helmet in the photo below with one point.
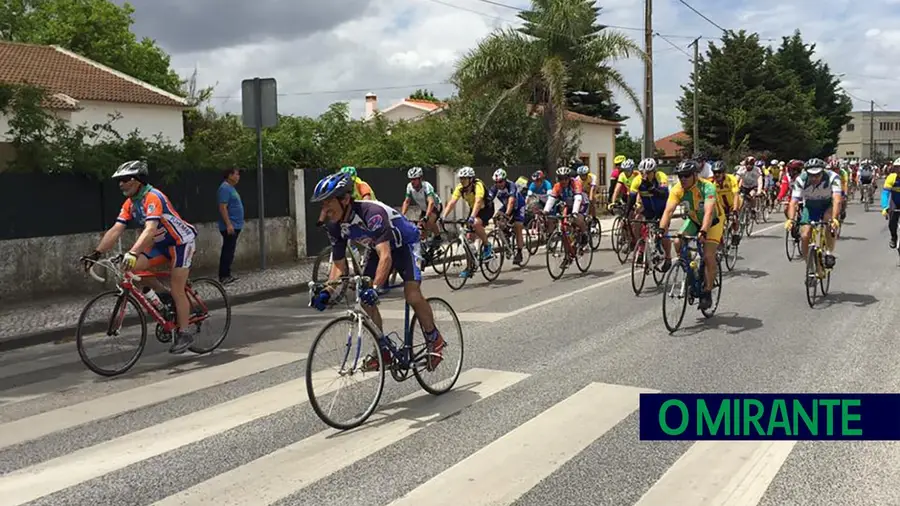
(414, 173)
(773, 162)
(499, 175)
(628, 164)
(583, 170)
(133, 168)
(896, 162)
(647, 165)
(466, 172)
(563, 171)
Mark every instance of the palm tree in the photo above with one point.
(560, 48)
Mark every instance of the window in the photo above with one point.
(585, 160)
(885, 126)
(850, 153)
(601, 161)
(851, 127)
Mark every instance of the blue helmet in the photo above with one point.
(334, 185)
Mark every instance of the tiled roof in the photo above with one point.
(580, 118)
(62, 72)
(423, 103)
(669, 147)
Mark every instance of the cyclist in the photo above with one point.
(589, 182)
(165, 238)
(821, 193)
(539, 187)
(508, 193)
(426, 199)
(890, 201)
(614, 177)
(394, 245)
(653, 188)
(751, 178)
(705, 219)
(728, 192)
(481, 210)
(623, 182)
(844, 177)
(865, 180)
(361, 189)
(522, 184)
(568, 191)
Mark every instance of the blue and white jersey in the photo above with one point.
(371, 223)
(818, 195)
(503, 194)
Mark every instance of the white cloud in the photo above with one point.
(395, 43)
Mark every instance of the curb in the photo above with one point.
(60, 335)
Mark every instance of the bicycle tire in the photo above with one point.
(123, 298)
(417, 372)
(323, 257)
(437, 259)
(614, 232)
(789, 245)
(668, 285)
(450, 256)
(555, 247)
(588, 251)
(533, 239)
(595, 245)
(639, 269)
(624, 240)
(717, 287)
(221, 289)
(499, 250)
(730, 259)
(811, 270)
(313, 400)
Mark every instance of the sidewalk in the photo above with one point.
(48, 320)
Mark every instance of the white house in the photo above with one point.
(406, 109)
(83, 91)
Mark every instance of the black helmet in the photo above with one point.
(687, 168)
(699, 155)
(718, 167)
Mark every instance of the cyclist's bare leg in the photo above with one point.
(520, 239)
(829, 236)
(709, 261)
(478, 227)
(178, 279)
(804, 239)
(431, 224)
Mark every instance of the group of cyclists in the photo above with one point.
(814, 190)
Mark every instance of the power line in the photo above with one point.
(703, 16)
(673, 45)
(357, 90)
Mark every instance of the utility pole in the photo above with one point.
(871, 130)
(649, 146)
(696, 134)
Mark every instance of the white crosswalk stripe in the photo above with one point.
(501, 472)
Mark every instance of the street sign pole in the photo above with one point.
(260, 110)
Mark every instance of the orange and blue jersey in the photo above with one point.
(153, 205)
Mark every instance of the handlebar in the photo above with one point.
(360, 281)
(110, 264)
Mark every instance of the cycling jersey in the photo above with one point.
(749, 177)
(420, 196)
(890, 195)
(654, 192)
(845, 180)
(371, 223)
(819, 196)
(361, 189)
(589, 181)
(626, 179)
(727, 191)
(474, 191)
(522, 184)
(503, 195)
(540, 191)
(866, 175)
(699, 197)
(153, 205)
(571, 194)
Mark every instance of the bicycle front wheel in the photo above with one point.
(675, 296)
(325, 382)
(810, 276)
(556, 255)
(596, 233)
(639, 268)
(105, 326)
(789, 245)
(716, 292)
(437, 373)
(208, 297)
(731, 251)
(457, 265)
(491, 268)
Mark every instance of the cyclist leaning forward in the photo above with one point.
(426, 199)
(568, 190)
(653, 187)
(728, 192)
(481, 210)
(508, 193)
(393, 245)
(821, 193)
(705, 219)
(165, 238)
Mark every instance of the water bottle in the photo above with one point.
(152, 298)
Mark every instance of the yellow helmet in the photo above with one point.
(619, 159)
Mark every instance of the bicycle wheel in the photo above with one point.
(534, 235)
(810, 275)
(556, 255)
(584, 255)
(596, 233)
(202, 306)
(659, 258)
(614, 233)
(675, 295)
(825, 281)
(639, 269)
(866, 204)
(457, 257)
(716, 292)
(789, 245)
(491, 268)
(322, 265)
(763, 212)
(748, 224)
(447, 323)
(108, 324)
(350, 354)
(437, 259)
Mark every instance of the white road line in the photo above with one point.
(289, 469)
(39, 480)
(49, 422)
(500, 473)
(720, 473)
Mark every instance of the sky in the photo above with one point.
(328, 51)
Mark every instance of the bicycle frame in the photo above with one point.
(692, 244)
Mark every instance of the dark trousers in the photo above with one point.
(226, 257)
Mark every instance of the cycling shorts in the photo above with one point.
(435, 211)
(406, 260)
(177, 256)
(715, 232)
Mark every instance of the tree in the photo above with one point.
(424, 95)
(598, 104)
(627, 146)
(96, 29)
(561, 47)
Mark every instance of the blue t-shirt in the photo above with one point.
(544, 189)
(229, 196)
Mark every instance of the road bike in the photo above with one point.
(506, 233)
(679, 293)
(565, 244)
(432, 253)
(868, 193)
(817, 274)
(649, 256)
(537, 231)
(620, 233)
(126, 294)
(462, 251)
(728, 249)
(360, 336)
(356, 255)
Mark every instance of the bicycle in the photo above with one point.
(127, 293)
(594, 226)
(507, 235)
(537, 231)
(432, 253)
(690, 263)
(621, 234)
(728, 249)
(868, 196)
(462, 248)
(356, 255)
(403, 357)
(817, 273)
(564, 239)
(644, 260)
(792, 238)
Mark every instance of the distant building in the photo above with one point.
(669, 151)
(857, 136)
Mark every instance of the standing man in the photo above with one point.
(231, 221)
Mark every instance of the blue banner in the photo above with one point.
(791, 417)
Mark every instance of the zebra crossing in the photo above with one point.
(96, 454)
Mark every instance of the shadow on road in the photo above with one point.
(734, 323)
(501, 282)
(851, 238)
(857, 299)
(748, 273)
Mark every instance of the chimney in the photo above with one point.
(371, 106)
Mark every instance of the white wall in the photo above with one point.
(4, 123)
(148, 119)
(598, 141)
(404, 112)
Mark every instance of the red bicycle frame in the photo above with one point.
(128, 285)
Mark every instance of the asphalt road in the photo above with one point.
(545, 412)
